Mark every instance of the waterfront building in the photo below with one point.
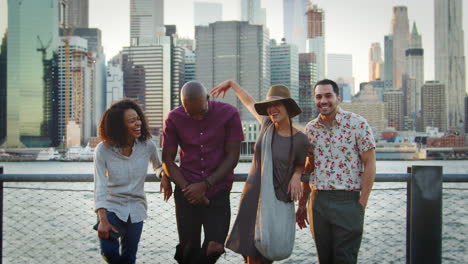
(114, 87)
(376, 63)
(307, 80)
(78, 13)
(252, 12)
(450, 68)
(394, 105)
(284, 66)
(316, 37)
(234, 50)
(33, 28)
(434, 110)
(205, 13)
(146, 21)
(177, 74)
(147, 79)
(295, 22)
(400, 32)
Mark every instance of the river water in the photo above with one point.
(51, 222)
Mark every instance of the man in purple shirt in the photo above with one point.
(209, 134)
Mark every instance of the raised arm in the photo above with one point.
(242, 94)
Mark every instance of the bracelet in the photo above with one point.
(207, 183)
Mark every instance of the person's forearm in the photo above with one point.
(367, 180)
(173, 172)
(242, 94)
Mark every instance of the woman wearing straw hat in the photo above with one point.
(274, 177)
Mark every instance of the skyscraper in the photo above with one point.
(33, 28)
(400, 32)
(307, 80)
(234, 50)
(316, 37)
(388, 63)
(284, 63)
(394, 110)
(375, 62)
(415, 70)
(295, 22)
(146, 21)
(434, 110)
(450, 57)
(252, 12)
(205, 13)
(114, 87)
(78, 13)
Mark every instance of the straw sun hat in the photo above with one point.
(278, 93)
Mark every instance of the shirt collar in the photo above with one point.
(338, 119)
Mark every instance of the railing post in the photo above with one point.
(424, 215)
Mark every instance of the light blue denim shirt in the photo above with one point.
(119, 180)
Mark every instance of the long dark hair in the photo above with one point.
(112, 125)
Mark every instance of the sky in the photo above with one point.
(350, 26)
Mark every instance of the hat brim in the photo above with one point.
(289, 103)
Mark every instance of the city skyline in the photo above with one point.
(340, 25)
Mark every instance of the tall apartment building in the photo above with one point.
(295, 22)
(316, 37)
(3, 87)
(394, 102)
(376, 63)
(400, 32)
(307, 80)
(205, 13)
(189, 66)
(388, 62)
(146, 21)
(284, 67)
(76, 91)
(32, 43)
(450, 68)
(434, 110)
(234, 50)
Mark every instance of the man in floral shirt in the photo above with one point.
(341, 163)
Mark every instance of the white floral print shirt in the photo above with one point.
(336, 150)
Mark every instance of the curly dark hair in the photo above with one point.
(112, 126)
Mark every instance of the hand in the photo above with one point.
(104, 228)
(301, 216)
(221, 88)
(294, 187)
(165, 187)
(195, 192)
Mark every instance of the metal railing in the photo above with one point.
(48, 218)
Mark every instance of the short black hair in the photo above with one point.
(112, 126)
(336, 89)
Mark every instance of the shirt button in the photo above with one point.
(201, 134)
(202, 171)
(201, 146)
(201, 158)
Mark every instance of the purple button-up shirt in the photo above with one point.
(202, 141)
